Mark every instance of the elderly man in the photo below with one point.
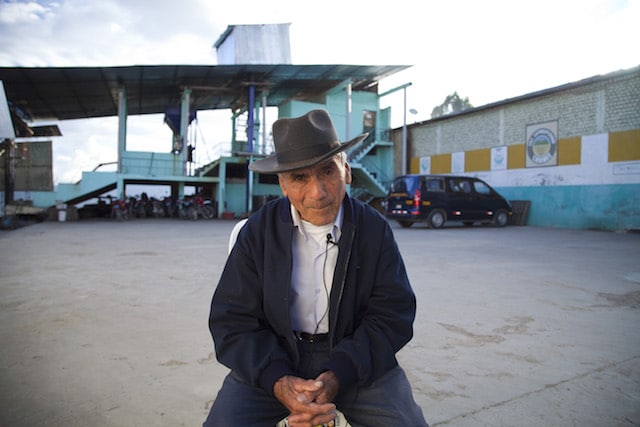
(314, 301)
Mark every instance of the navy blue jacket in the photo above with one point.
(372, 305)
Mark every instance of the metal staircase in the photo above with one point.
(369, 183)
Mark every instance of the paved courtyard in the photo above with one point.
(105, 324)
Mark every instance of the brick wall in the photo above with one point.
(601, 104)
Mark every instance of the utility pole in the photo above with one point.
(404, 87)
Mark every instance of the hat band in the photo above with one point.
(305, 153)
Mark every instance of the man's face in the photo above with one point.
(317, 191)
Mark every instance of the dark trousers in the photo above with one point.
(388, 402)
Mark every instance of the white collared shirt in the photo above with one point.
(314, 262)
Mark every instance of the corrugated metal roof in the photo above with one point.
(82, 92)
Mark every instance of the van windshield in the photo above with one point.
(405, 184)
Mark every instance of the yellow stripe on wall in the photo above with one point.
(441, 163)
(569, 151)
(477, 160)
(624, 146)
(415, 165)
(515, 156)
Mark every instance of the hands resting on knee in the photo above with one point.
(310, 402)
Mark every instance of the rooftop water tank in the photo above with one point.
(254, 44)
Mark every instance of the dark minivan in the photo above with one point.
(436, 199)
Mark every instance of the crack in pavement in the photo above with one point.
(540, 390)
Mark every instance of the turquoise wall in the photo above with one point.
(337, 107)
(236, 197)
(597, 207)
(297, 108)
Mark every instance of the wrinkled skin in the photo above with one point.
(308, 401)
(317, 191)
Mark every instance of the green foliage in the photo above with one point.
(452, 104)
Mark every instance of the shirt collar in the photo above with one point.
(335, 231)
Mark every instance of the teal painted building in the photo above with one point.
(371, 161)
(348, 92)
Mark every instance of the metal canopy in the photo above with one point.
(61, 93)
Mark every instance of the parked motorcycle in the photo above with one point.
(155, 208)
(187, 209)
(204, 208)
(120, 210)
(170, 207)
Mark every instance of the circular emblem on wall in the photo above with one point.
(542, 146)
(425, 165)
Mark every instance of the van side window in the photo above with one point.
(434, 184)
(481, 188)
(399, 186)
(407, 184)
(459, 186)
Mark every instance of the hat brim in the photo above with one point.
(270, 164)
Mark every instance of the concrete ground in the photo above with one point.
(105, 324)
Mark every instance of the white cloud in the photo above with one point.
(85, 145)
(23, 13)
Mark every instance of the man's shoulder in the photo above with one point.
(276, 210)
(365, 211)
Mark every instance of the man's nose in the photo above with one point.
(317, 189)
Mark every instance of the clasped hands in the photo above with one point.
(309, 401)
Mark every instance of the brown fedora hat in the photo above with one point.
(303, 141)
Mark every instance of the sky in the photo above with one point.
(487, 51)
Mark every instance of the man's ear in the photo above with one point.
(347, 173)
(283, 186)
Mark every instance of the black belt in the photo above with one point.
(303, 336)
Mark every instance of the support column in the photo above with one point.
(264, 123)
(251, 118)
(180, 163)
(120, 188)
(122, 126)
(404, 132)
(250, 136)
(348, 114)
(222, 181)
(404, 87)
(181, 190)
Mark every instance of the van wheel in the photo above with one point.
(405, 224)
(500, 219)
(436, 219)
